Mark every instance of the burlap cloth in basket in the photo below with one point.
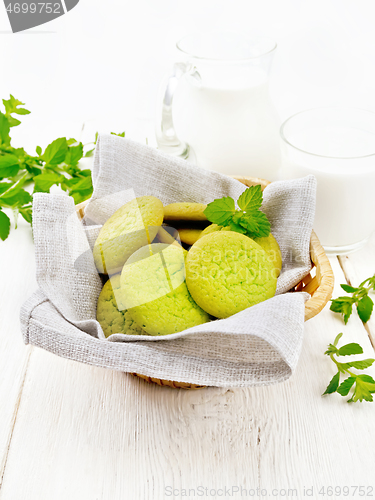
(257, 346)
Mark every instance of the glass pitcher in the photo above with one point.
(217, 103)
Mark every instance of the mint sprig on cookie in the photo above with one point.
(248, 219)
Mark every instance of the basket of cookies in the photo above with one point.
(181, 276)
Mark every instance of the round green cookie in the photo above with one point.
(272, 249)
(268, 243)
(185, 211)
(227, 272)
(107, 313)
(132, 226)
(155, 291)
(189, 236)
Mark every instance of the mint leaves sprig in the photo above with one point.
(249, 219)
(362, 386)
(359, 297)
(57, 165)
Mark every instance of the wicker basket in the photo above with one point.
(320, 286)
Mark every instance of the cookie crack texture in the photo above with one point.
(111, 318)
(155, 291)
(134, 225)
(227, 272)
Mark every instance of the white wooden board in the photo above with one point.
(87, 433)
(17, 280)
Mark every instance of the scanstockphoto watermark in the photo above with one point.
(27, 14)
(352, 491)
(231, 492)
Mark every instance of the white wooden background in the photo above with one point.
(71, 431)
(74, 431)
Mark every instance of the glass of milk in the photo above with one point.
(217, 103)
(337, 145)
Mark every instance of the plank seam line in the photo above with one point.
(341, 264)
(369, 333)
(259, 457)
(14, 420)
(365, 326)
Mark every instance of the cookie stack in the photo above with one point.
(169, 269)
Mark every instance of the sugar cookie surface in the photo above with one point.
(132, 226)
(111, 319)
(268, 243)
(227, 272)
(185, 211)
(189, 236)
(155, 291)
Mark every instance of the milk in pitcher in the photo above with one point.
(231, 126)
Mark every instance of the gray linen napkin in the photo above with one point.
(257, 346)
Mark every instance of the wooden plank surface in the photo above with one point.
(73, 431)
(358, 267)
(88, 433)
(17, 272)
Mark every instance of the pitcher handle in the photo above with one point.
(166, 137)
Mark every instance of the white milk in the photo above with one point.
(345, 205)
(232, 129)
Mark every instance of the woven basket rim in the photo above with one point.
(324, 280)
(320, 287)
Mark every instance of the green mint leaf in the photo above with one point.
(346, 386)
(264, 226)
(38, 150)
(349, 289)
(70, 183)
(249, 223)
(348, 349)
(237, 216)
(344, 306)
(74, 154)
(4, 186)
(15, 198)
(19, 152)
(251, 199)
(121, 134)
(72, 141)
(256, 223)
(236, 227)
(364, 308)
(85, 173)
(56, 151)
(333, 385)
(4, 225)
(81, 196)
(26, 213)
(368, 380)
(14, 188)
(82, 185)
(13, 122)
(9, 165)
(360, 365)
(12, 106)
(4, 130)
(338, 337)
(45, 181)
(342, 367)
(332, 349)
(89, 153)
(80, 188)
(33, 170)
(364, 384)
(220, 211)
(364, 387)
